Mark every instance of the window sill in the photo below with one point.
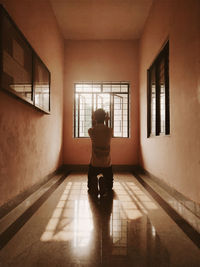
(25, 100)
(160, 135)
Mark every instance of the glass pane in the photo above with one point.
(125, 98)
(41, 85)
(89, 102)
(162, 96)
(78, 87)
(124, 88)
(96, 88)
(85, 114)
(17, 62)
(103, 101)
(99, 101)
(76, 115)
(87, 88)
(94, 102)
(115, 87)
(107, 88)
(118, 116)
(153, 100)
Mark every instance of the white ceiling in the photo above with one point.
(101, 19)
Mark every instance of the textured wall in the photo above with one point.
(100, 61)
(174, 158)
(31, 142)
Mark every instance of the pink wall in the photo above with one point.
(31, 142)
(174, 158)
(100, 61)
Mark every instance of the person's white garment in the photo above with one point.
(100, 136)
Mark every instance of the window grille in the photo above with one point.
(158, 95)
(112, 97)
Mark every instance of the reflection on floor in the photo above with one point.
(126, 229)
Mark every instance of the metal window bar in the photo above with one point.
(157, 100)
(74, 113)
(112, 112)
(164, 55)
(121, 108)
(148, 104)
(79, 90)
(167, 112)
(128, 111)
(78, 115)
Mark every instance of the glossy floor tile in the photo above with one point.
(186, 209)
(126, 229)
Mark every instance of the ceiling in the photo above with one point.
(101, 19)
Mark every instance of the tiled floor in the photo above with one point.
(71, 229)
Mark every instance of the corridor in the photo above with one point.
(61, 225)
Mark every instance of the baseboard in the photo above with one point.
(11, 204)
(194, 207)
(84, 168)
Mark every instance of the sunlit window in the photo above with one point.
(112, 97)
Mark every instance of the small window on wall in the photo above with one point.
(158, 121)
(113, 97)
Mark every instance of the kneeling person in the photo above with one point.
(100, 162)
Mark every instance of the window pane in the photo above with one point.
(103, 101)
(99, 101)
(16, 62)
(115, 87)
(118, 116)
(162, 96)
(87, 87)
(78, 87)
(106, 87)
(158, 94)
(96, 88)
(153, 100)
(85, 103)
(41, 85)
(124, 88)
(85, 113)
(125, 98)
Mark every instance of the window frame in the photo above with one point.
(162, 56)
(35, 60)
(111, 121)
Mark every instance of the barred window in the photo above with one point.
(112, 97)
(158, 122)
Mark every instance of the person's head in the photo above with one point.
(100, 115)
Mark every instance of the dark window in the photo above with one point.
(112, 97)
(158, 95)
